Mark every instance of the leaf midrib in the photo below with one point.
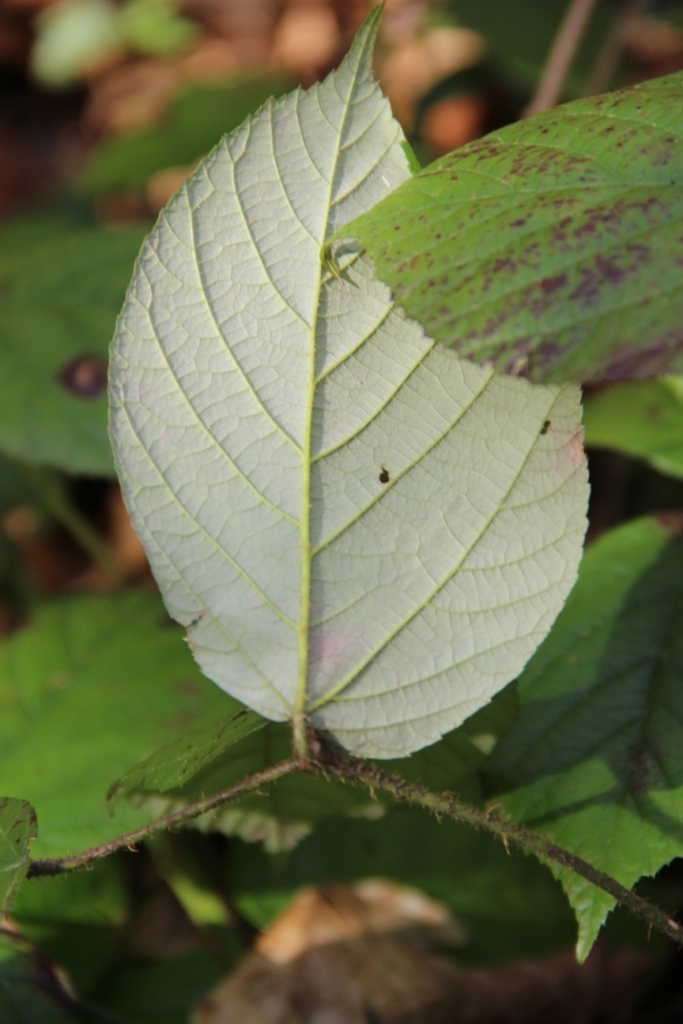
(299, 709)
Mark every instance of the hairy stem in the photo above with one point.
(60, 865)
(349, 769)
(561, 56)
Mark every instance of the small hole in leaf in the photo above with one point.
(545, 428)
(384, 477)
(85, 376)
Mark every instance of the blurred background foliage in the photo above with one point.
(105, 108)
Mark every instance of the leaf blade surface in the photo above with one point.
(594, 759)
(320, 490)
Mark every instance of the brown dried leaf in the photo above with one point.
(336, 913)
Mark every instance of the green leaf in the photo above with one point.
(18, 825)
(61, 286)
(178, 761)
(281, 815)
(355, 526)
(199, 116)
(595, 759)
(87, 689)
(553, 247)
(641, 418)
(155, 27)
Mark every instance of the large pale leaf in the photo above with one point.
(553, 247)
(353, 524)
(595, 759)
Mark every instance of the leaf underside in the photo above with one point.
(595, 760)
(553, 247)
(353, 525)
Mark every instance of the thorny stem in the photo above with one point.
(349, 769)
(59, 865)
(561, 56)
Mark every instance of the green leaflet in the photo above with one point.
(553, 247)
(595, 759)
(181, 759)
(17, 827)
(353, 525)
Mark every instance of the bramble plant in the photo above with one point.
(346, 419)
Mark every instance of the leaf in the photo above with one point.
(353, 525)
(595, 759)
(18, 825)
(177, 761)
(553, 247)
(198, 117)
(87, 689)
(281, 815)
(61, 285)
(447, 764)
(641, 418)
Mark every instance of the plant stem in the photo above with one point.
(300, 737)
(561, 56)
(350, 769)
(59, 865)
(51, 489)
